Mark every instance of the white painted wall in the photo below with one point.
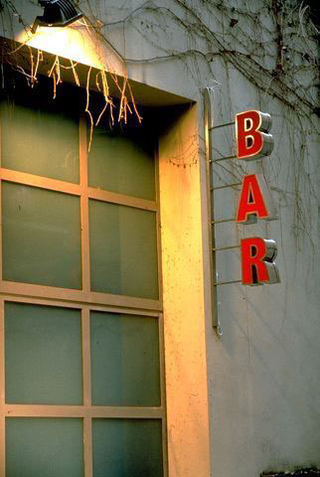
(263, 372)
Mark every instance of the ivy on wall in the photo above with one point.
(271, 44)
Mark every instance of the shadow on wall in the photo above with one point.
(312, 472)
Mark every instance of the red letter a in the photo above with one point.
(251, 200)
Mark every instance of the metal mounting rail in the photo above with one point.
(222, 159)
(228, 247)
(222, 221)
(222, 125)
(209, 127)
(217, 284)
(226, 186)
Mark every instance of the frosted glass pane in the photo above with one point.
(121, 164)
(43, 355)
(127, 447)
(125, 360)
(41, 236)
(38, 447)
(123, 250)
(40, 142)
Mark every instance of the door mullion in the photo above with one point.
(86, 366)
(87, 441)
(2, 390)
(85, 251)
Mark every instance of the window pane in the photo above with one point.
(127, 447)
(40, 142)
(123, 250)
(37, 447)
(125, 360)
(41, 236)
(121, 164)
(43, 355)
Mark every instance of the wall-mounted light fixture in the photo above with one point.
(57, 13)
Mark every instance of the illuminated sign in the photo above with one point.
(257, 254)
(253, 140)
(257, 257)
(255, 199)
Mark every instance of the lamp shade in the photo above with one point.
(57, 13)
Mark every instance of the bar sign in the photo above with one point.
(257, 254)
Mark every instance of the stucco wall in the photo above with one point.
(263, 373)
(183, 305)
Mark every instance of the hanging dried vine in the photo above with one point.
(271, 44)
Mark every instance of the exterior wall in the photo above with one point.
(184, 319)
(263, 378)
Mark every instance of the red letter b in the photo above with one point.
(251, 135)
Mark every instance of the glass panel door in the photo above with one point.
(81, 361)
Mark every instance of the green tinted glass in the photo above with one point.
(120, 164)
(125, 360)
(127, 447)
(38, 447)
(43, 355)
(123, 250)
(41, 236)
(40, 142)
